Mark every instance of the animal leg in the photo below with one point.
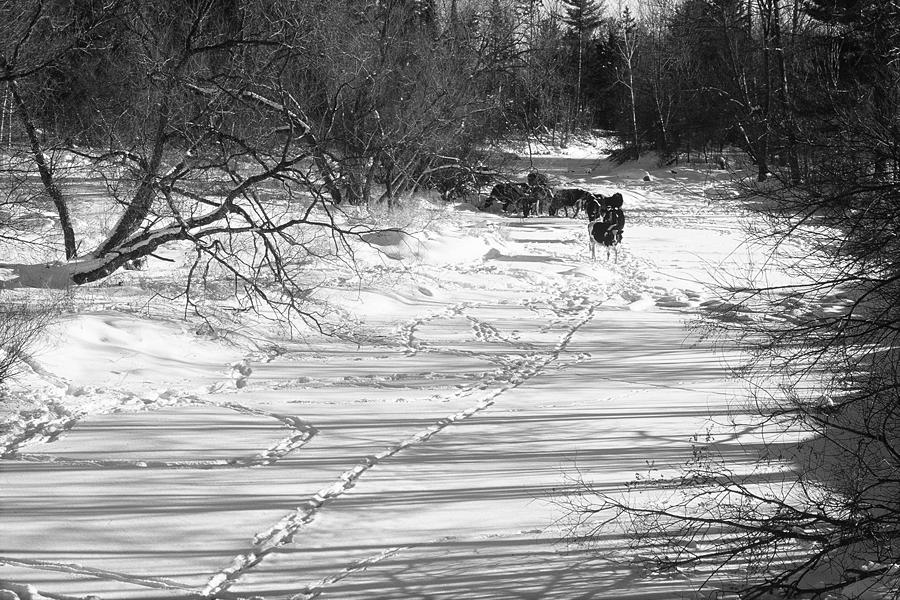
(591, 243)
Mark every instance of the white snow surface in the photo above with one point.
(494, 363)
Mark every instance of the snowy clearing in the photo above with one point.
(491, 365)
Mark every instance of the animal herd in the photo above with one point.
(606, 219)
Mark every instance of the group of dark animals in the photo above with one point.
(606, 220)
(528, 198)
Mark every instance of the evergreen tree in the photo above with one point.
(718, 78)
(583, 18)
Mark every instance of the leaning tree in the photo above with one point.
(241, 130)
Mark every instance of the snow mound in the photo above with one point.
(451, 247)
(642, 304)
(375, 302)
(120, 349)
(394, 243)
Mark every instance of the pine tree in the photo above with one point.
(583, 17)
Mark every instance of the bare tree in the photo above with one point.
(238, 129)
(667, 66)
(34, 39)
(628, 43)
(800, 496)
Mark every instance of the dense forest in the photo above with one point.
(808, 92)
(256, 122)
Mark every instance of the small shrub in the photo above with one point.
(21, 324)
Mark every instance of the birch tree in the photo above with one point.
(628, 42)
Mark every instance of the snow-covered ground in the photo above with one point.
(493, 364)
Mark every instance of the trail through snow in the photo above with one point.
(421, 460)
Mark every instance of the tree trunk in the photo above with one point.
(763, 147)
(579, 75)
(634, 127)
(664, 145)
(762, 158)
(44, 169)
(139, 206)
(627, 50)
(324, 168)
(783, 95)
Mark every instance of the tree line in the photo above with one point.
(778, 79)
(809, 92)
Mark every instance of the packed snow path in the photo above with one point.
(422, 460)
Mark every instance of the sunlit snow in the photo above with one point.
(493, 365)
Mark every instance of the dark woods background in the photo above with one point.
(776, 78)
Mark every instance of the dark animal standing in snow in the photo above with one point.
(593, 206)
(539, 200)
(567, 198)
(507, 194)
(536, 179)
(528, 198)
(541, 192)
(608, 227)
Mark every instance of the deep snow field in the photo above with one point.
(427, 454)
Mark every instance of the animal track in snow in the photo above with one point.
(44, 425)
(485, 332)
(407, 330)
(301, 432)
(158, 583)
(516, 371)
(314, 590)
(49, 423)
